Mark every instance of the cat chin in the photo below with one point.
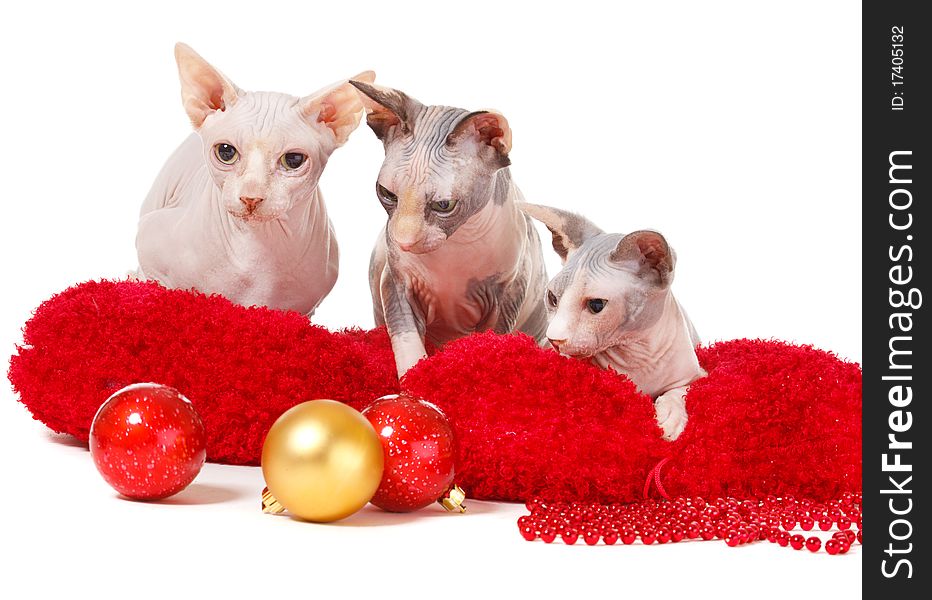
(579, 354)
(253, 219)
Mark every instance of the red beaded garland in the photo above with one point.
(734, 521)
(846, 534)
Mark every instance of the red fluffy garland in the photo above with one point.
(771, 418)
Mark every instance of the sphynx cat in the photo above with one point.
(456, 256)
(611, 304)
(236, 210)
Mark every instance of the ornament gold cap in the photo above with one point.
(270, 504)
(454, 500)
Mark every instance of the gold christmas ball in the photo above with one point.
(322, 460)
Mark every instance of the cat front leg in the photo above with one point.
(405, 326)
(670, 408)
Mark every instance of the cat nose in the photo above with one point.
(406, 242)
(251, 203)
(556, 343)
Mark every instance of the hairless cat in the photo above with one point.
(611, 304)
(456, 255)
(236, 209)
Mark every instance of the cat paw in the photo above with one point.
(409, 350)
(670, 409)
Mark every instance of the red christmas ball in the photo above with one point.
(148, 441)
(418, 444)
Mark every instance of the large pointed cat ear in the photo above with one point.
(339, 107)
(386, 108)
(204, 89)
(487, 128)
(569, 230)
(648, 254)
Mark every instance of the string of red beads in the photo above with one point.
(735, 521)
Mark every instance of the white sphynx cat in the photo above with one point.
(236, 209)
(611, 304)
(456, 255)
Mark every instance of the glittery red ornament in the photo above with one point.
(418, 443)
(148, 441)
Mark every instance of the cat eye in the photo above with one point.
(551, 298)
(387, 197)
(595, 305)
(292, 160)
(443, 207)
(226, 153)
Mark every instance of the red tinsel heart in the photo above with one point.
(771, 418)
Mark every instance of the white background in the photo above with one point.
(732, 128)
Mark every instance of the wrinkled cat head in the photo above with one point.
(264, 150)
(611, 284)
(440, 164)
